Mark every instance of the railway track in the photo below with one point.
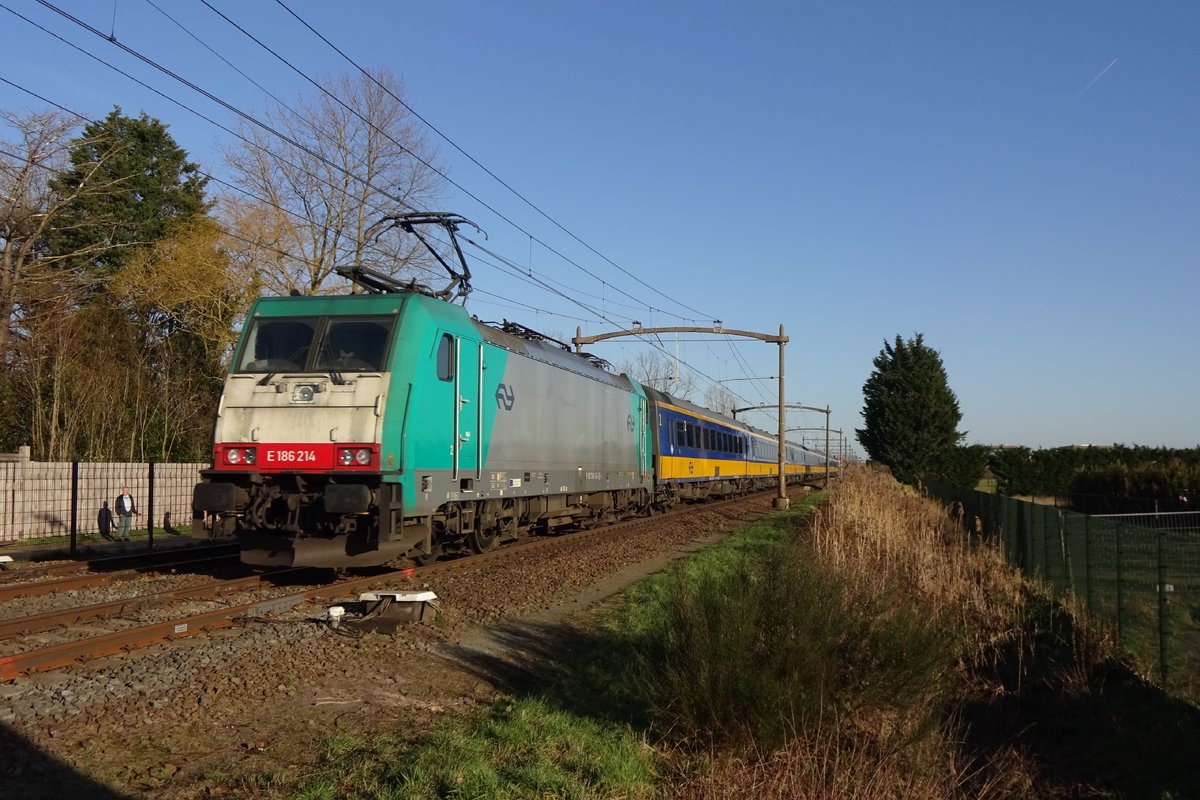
(25, 582)
(64, 654)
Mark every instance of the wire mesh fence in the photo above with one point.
(40, 500)
(1140, 573)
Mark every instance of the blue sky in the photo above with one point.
(1017, 181)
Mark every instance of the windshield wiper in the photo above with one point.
(324, 354)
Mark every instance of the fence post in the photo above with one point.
(74, 508)
(1163, 608)
(1087, 558)
(1012, 519)
(1041, 521)
(150, 511)
(1120, 585)
(1025, 520)
(1068, 570)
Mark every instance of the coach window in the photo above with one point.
(445, 358)
(680, 433)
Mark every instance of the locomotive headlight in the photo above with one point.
(354, 457)
(239, 455)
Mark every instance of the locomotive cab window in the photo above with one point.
(445, 358)
(351, 343)
(277, 345)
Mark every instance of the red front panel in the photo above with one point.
(291, 457)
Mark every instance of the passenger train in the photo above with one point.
(357, 429)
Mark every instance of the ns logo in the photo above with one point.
(506, 398)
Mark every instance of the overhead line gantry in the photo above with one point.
(781, 501)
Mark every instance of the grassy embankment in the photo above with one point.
(863, 652)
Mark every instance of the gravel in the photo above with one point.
(154, 720)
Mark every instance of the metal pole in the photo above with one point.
(826, 445)
(782, 502)
(150, 511)
(1163, 608)
(1087, 560)
(1120, 584)
(74, 508)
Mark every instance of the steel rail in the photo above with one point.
(63, 655)
(107, 563)
(49, 620)
(93, 579)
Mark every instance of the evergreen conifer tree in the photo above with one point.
(910, 414)
(141, 185)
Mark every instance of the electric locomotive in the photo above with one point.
(357, 429)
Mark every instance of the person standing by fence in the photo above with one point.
(125, 508)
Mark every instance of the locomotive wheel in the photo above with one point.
(480, 541)
(425, 559)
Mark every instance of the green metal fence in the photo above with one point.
(1139, 573)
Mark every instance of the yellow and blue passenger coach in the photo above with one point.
(700, 453)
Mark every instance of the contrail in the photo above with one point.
(1093, 81)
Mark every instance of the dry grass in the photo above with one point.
(829, 765)
(898, 552)
(878, 530)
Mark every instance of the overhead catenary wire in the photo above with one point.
(202, 116)
(245, 192)
(275, 132)
(475, 161)
(423, 161)
(254, 121)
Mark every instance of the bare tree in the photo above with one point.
(721, 399)
(658, 370)
(37, 148)
(351, 157)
